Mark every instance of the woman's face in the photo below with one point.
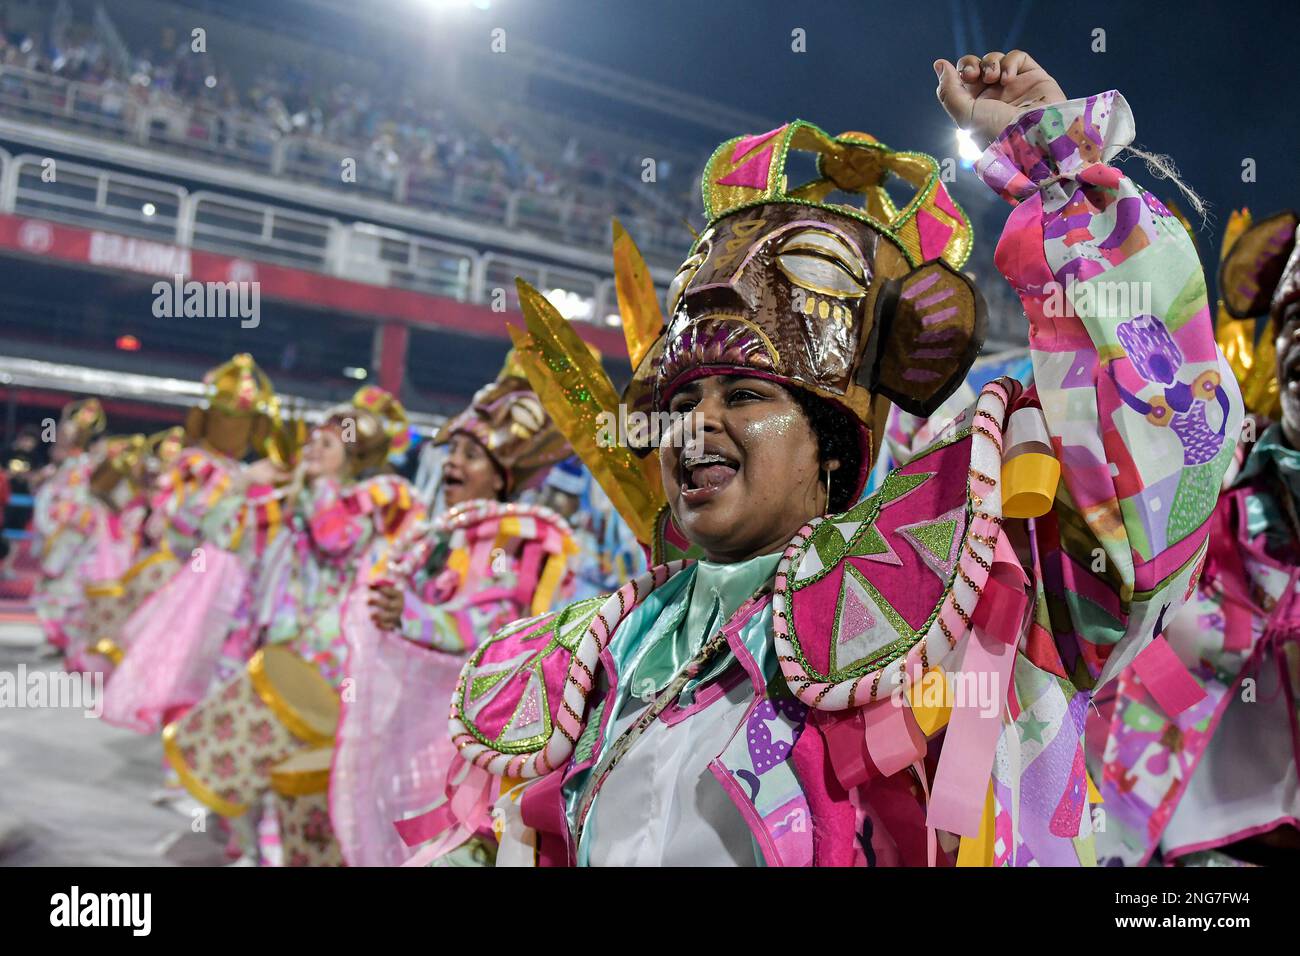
(751, 477)
(324, 455)
(468, 473)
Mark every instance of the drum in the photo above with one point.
(301, 784)
(224, 749)
(110, 603)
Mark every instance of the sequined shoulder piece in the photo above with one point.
(893, 581)
(521, 701)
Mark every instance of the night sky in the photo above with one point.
(1210, 84)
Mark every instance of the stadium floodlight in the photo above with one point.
(966, 147)
(571, 305)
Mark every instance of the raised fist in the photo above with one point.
(984, 95)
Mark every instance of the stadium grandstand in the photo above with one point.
(383, 195)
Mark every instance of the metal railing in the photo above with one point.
(160, 121)
(69, 192)
(82, 195)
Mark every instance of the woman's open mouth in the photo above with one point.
(704, 475)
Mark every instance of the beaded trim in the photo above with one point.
(570, 716)
(952, 617)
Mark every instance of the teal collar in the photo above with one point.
(714, 593)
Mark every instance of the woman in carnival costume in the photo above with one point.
(217, 517)
(905, 681)
(66, 518)
(343, 509)
(489, 559)
(136, 564)
(1203, 769)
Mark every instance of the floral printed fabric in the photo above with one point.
(231, 742)
(306, 836)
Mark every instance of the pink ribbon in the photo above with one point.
(894, 741)
(962, 778)
(542, 809)
(1166, 679)
(451, 823)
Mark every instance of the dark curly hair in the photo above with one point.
(838, 436)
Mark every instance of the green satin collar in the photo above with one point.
(715, 592)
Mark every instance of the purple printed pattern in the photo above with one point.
(765, 752)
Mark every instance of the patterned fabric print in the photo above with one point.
(305, 832)
(338, 534)
(143, 579)
(521, 704)
(878, 570)
(228, 745)
(1149, 757)
(65, 519)
(1079, 234)
(864, 595)
(503, 562)
(758, 760)
(513, 689)
(1039, 775)
(1119, 323)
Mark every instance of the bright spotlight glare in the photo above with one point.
(571, 305)
(966, 147)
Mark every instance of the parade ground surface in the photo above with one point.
(75, 791)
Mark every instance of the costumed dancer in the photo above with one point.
(111, 599)
(486, 561)
(343, 507)
(1205, 770)
(66, 517)
(114, 484)
(901, 682)
(218, 517)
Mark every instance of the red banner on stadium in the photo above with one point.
(163, 260)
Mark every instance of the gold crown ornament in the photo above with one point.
(511, 423)
(239, 408)
(379, 428)
(83, 421)
(166, 446)
(829, 286)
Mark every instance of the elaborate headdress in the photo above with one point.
(507, 418)
(1259, 276)
(236, 389)
(858, 302)
(380, 425)
(166, 446)
(85, 420)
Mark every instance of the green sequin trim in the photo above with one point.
(893, 486)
